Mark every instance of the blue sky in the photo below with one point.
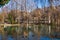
(42, 3)
(30, 4)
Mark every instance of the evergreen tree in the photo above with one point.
(3, 2)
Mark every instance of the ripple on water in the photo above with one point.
(10, 38)
(32, 38)
(0, 37)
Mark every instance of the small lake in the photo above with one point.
(31, 36)
(33, 33)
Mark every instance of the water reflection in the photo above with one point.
(34, 32)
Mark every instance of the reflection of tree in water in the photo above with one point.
(24, 31)
(11, 30)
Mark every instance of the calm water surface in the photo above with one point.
(30, 37)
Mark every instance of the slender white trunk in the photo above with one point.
(49, 25)
(49, 20)
(27, 25)
(49, 29)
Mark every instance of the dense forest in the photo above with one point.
(46, 13)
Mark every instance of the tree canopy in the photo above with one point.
(3, 2)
